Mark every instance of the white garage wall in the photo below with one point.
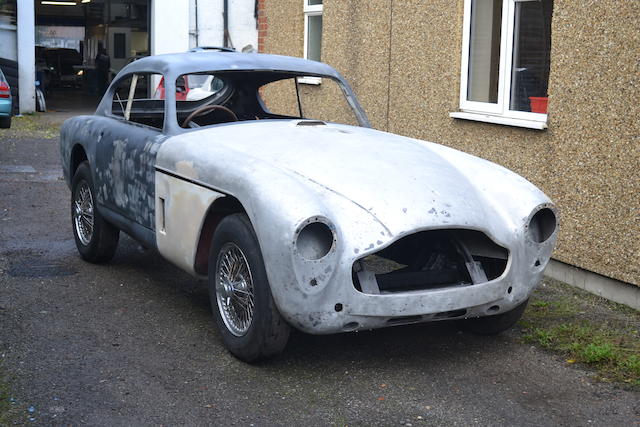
(169, 26)
(178, 25)
(242, 24)
(207, 23)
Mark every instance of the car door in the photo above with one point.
(126, 152)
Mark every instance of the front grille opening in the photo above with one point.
(431, 260)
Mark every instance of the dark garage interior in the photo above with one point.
(81, 45)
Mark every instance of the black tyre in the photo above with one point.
(247, 317)
(493, 325)
(5, 122)
(95, 238)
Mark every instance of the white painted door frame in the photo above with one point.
(26, 36)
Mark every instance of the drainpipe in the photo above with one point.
(197, 32)
(225, 17)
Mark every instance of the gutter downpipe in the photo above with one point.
(225, 17)
(197, 30)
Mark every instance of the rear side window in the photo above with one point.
(288, 98)
(134, 100)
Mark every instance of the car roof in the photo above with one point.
(193, 62)
(175, 64)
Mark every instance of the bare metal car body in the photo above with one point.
(486, 233)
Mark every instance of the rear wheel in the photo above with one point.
(5, 122)
(95, 238)
(493, 325)
(246, 315)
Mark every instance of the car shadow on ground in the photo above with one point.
(406, 343)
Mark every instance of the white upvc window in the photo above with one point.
(313, 29)
(505, 62)
(312, 36)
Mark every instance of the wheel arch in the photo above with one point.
(78, 155)
(219, 209)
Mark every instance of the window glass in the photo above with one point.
(8, 12)
(484, 50)
(119, 45)
(134, 100)
(507, 57)
(531, 55)
(313, 29)
(324, 102)
(314, 38)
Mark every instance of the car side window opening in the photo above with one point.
(134, 100)
(205, 99)
(325, 102)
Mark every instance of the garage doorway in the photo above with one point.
(82, 44)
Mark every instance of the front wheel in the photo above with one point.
(246, 315)
(95, 238)
(493, 325)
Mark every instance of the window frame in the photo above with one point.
(310, 10)
(113, 90)
(501, 110)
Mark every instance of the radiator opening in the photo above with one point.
(431, 260)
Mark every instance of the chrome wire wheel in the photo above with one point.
(234, 289)
(83, 213)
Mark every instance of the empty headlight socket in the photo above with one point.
(315, 239)
(542, 223)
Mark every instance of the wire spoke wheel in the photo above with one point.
(96, 239)
(234, 289)
(249, 322)
(83, 213)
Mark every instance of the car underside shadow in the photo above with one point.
(406, 344)
(160, 273)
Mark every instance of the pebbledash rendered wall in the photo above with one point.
(403, 59)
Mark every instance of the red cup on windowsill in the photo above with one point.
(539, 104)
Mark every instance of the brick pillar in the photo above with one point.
(262, 26)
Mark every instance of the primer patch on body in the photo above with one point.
(185, 168)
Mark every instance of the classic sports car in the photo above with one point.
(297, 220)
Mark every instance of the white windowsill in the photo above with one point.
(499, 120)
(309, 80)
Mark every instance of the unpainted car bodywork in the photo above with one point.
(489, 233)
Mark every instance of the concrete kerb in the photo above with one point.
(611, 289)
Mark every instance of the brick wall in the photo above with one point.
(262, 25)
